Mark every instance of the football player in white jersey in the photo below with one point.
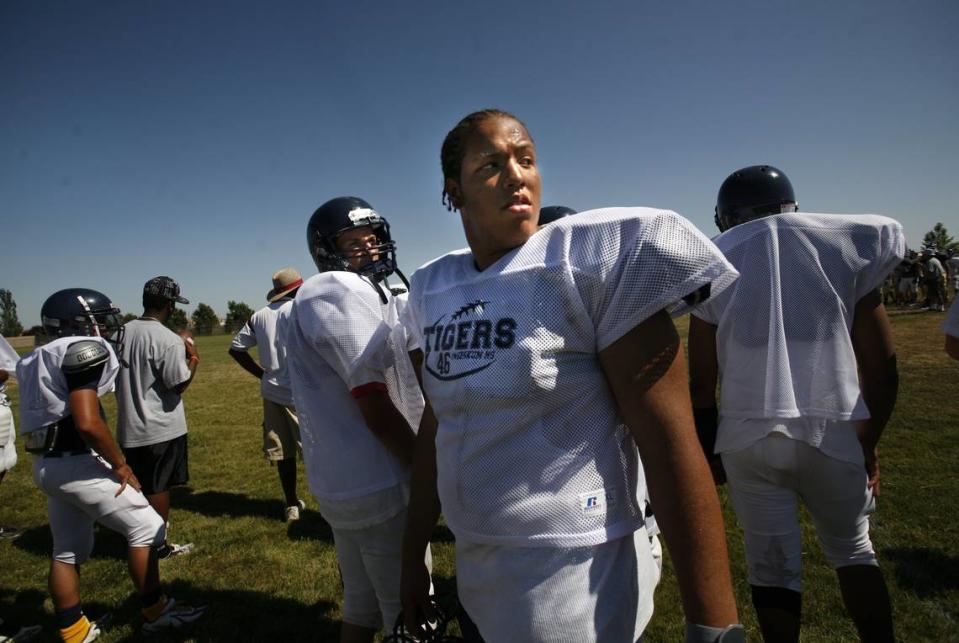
(79, 466)
(533, 343)
(356, 404)
(8, 433)
(795, 421)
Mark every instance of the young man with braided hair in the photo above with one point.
(550, 363)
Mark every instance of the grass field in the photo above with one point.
(266, 582)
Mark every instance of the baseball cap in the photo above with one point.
(164, 287)
(284, 280)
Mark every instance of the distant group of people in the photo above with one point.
(924, 279)
(533, 390)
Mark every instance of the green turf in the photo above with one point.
(266, 582)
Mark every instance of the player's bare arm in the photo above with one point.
(386, 422)
(878, 376)
(85, 408)
(703, 377)
(246, 361)
(422, 516)
(647, 375)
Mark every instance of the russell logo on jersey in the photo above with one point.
(465, 342)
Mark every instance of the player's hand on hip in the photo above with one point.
(126, 477)
(415, 596)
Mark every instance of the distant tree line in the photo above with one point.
(9, 323)
(203, 320)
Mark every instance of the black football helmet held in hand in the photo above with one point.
(340, 215)
(752, 193)
(81, 312)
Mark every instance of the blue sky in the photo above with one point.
(195, 139)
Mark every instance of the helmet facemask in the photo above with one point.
(328, 256)
(103, 322)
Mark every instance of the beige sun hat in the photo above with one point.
(284, 280)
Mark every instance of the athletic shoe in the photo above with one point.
(8, 532)
(173, 617)
(292, 513)
(93, 633)
(169, 550)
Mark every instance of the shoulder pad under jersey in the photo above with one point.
(83, 355)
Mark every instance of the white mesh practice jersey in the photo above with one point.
(529, 447)
(43, 386)
(8, 357)
(783, 339)
(341, 338)
(950, 326)
(260, 331)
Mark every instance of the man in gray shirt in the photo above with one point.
(157, 366)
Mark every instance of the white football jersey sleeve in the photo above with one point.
(347, 327)
(43, 387)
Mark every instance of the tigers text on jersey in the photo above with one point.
(529, 447)
(341, 337)
(43, 386)
(783, 339)
(261, 331)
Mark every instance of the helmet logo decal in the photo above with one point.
(363, 214)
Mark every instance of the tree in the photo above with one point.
(238, 315)
(204, 320)
(177, 321)
(939, 239)
(128, 317)
(9, 324)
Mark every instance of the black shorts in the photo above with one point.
(159, 466)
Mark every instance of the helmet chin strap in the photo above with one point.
(93, 320)
(378, 285)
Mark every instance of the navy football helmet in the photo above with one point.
(752, 193)
(81, 312)
(553, 212)
(339, 215)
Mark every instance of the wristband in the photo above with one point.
(695, 633)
